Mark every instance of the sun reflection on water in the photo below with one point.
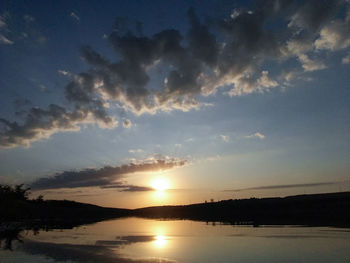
(160, 241)
(160, 238)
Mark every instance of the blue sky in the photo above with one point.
(212, 96)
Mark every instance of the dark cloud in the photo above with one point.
(198, 35)
(127, 124)
(106, 177)
(222, 52)
(313, 14)
(200, 66)
(129, 188)
(40, 123)
(283, 186)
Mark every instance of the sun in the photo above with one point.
(160, 184)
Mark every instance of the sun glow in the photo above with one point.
(160, 184)
(160, 241)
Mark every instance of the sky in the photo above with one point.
(140, 103)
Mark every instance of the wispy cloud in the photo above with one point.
(2, 22)
(28, 18)
(75, 16)
(256, 135)
(3, 30)
(346, 59)
(129, 188)
(5, 40)
(309, 64)
(282, 186)
(225, 138)
(136, 151)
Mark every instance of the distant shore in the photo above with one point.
(330, 209)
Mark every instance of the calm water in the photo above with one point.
(141, 240)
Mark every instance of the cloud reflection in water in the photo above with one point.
(103, 251)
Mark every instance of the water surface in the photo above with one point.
(142, 240)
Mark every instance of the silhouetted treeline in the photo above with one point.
(317, 209)
(15, 206)
(17, 192)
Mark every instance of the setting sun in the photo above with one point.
(160, 184)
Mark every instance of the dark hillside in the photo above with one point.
(316, 209)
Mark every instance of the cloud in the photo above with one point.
(301, 47)
(130, 188)
(309, 64)
(127, 124)
(247, 84)
(283, 186)
(136, 151)
(42, 87)
(336, 35)
(40, 123)
(225, 138)
(20, 29)
(5, 40)
(30, 30)
(221, 53)
(105, 177)
(256, 135)
(198, 68)
(288, 75)
(346, 59)
(311, 19)
(2, 22)
(63, 72)
(29, 18)
(265, 81)
(75, 16)
(313, 14)
(3, 29)
(125, 81)
(212, 158)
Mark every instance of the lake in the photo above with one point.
(136, 240)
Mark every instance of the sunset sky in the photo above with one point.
(139, 103)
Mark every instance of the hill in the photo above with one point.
(314, 209)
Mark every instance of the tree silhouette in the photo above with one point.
(17, 192)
